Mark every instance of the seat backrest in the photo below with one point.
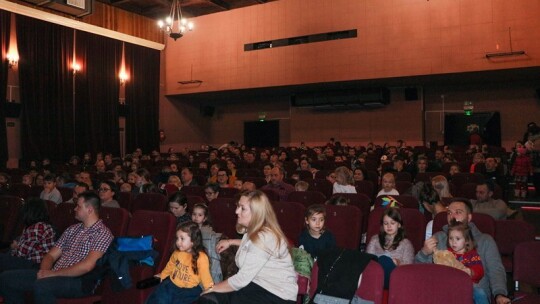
(307, 198)
(258, 181)
(509, 233)
(116, 219)
(404, 176)
(290, 216)
(125, 200)
(429, 283)
(321, 185)
(9, 216)
(193, 190)
(467, 190)
(193, 199)
(484, 222)
(228, 192)
(161, 225)
(371, 286)
(413, 222)
(20, 190)
(224, 217)
(149, 201)
(271, 194)
(63, 216)
(345, 222)
(365, 187)
(304, 175)
(66, 193)
(527, 263)
(403, 186)
(362, 202)
(532, 216)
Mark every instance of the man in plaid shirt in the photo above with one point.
(74, 255)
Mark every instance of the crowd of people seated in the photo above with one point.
(435, 176)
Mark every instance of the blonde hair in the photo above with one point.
(301, 186)
(440, 184)
(175, 180)
(346, 174)
(263, 219)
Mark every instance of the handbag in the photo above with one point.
(134, 243)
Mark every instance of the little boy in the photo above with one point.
(315, 237)
(49, 190)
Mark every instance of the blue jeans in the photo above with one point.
(15, 283)
(480, 296)
(9, 262)
(168, 293)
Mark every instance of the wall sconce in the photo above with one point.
(12, 59)
(123, 77)
(76, 67)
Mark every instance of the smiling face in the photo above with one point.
(243, 211)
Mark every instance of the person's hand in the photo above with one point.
(14, 245)
(222, 246)
(45, 274)
(396, 261)
(207, 291)
(500, 299)
(429, 246)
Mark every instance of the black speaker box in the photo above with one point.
(123, 110)
(207, 111)
(411, 94)
(13, 109)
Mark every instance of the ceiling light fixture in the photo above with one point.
(175, 24)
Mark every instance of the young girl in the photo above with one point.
(315, 237)
(390, 245)
(187, 268)
(178, 207)
(344, 181)
(199, 215)
(521, 170)
(461, 245)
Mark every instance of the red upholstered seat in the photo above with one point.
(484, 222)
(149, 201)
(290, 216)
(307, 198)
(345, 222)
(527, 269)
(508, 234)
(429, 283)
(223, 213)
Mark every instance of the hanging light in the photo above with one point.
(175, 24)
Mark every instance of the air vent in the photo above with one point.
(347, 34)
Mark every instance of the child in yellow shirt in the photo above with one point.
(187, 269)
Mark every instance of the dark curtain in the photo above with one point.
(97, 91)
(4, 44)
(46, 51)
(142, 98)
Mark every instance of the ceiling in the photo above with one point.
(157, 9)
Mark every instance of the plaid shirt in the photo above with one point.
(77, 241)
(35, 241)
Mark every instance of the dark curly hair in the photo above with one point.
(394, 214)
(34, 211)
(192, 229)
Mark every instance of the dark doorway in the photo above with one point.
(261, 133)
(489, 128)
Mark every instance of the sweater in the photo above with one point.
(266, 265)
(404, 251)
(471, 260)
(315, 245)
(179, 269)
(494, 280)
(337, 188)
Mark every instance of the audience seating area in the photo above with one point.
(146, 213)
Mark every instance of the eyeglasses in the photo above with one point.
(104, 189)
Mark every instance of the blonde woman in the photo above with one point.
(441, 186)
(266, 271)
(344, 181)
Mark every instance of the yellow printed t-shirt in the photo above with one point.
(179, 269)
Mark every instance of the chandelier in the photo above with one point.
(175, 24)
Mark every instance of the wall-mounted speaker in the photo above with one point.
(411, 94)
(13, 109)
(207, 111)
(123, 110)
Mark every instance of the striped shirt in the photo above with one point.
(77, 241)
